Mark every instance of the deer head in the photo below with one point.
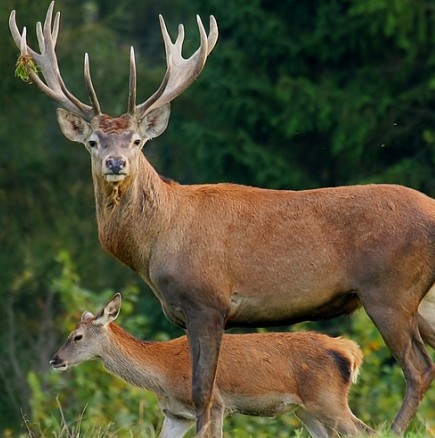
(114, 143)
(88, 338)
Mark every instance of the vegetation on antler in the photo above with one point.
(25, 64)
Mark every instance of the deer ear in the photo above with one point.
(110, 311)
(155, 122)
(86, 316)
(73, 127)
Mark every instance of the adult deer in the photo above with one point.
(264, 374)
(224, 255)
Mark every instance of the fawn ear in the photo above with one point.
(110, 311)
(86, 316)
(73, 127)
(155, 122)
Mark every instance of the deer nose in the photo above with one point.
(59, 364)
(115, 164)
(54, 361)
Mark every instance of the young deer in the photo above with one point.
(225, 255)
(264, 374)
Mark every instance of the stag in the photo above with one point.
(224, 255)
(305, 372)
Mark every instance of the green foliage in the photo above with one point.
(25, 65)
(334, 93)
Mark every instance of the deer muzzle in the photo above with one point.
(58, 364)
(115, 169)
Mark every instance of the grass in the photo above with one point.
(418, 429)
(73, 429)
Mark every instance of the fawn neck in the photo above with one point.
(133, 360)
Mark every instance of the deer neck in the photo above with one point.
(131, 212)
(133, 360)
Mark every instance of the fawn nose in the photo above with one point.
(59, 364)
(54, 361)
(115, 164)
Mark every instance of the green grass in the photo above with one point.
(73, 429)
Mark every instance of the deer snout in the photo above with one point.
(115, 169)
(116, 165)
(58, 364)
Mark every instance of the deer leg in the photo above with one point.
(333, 414)
(314, 426)
(426, 318)
(427, 331)
(349, 425)
(362, 427)
(204, 331)
(339, 417)
(174, 427)
(217, 420)
(419, 372)
(398, 325)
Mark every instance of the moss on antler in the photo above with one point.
(25, 64)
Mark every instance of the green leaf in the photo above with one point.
(25, 64)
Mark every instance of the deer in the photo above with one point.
(261, 374)
(226, 255)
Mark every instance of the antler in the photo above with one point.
(180, 72)
(46, 61)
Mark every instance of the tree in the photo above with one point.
(317, 93)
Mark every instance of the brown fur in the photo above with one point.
(258, 374)
(226, 255)
(110, 125)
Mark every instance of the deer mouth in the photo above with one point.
(58, 366)
(114, 177)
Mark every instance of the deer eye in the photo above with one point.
(77, 338)
(137, 142)
(92, 143)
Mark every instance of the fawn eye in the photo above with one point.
(137, 142)
(77, 337)
(92, 143)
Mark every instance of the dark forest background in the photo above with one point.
(295, 95)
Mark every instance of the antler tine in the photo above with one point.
(25, 50)
(132, 85)
(23, 44)
(141, 109)
(180, 36)
(53, 77)
(213, 35)
(180, 72)
(19, 39)
(90, 87)
(46, 61)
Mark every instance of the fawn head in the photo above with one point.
(89, 337)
